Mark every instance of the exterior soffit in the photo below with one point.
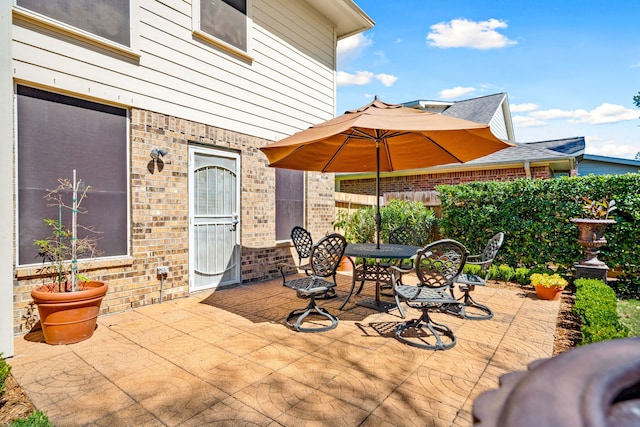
(346, 16)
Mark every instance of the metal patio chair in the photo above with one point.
(325, 258)
(303, 244)
(436, 266)
(467, 307)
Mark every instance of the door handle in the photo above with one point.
(234, 224)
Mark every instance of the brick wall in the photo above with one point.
(160, 214)
(425, 182)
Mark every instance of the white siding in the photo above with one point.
(498, 125)
(288, 86)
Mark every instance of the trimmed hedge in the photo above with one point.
(535, 216)
(596, 305)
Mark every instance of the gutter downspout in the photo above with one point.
(527, 169)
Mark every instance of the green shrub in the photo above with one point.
(358, 226)
(5, 370)
(36, 419)
(506, 273)
(493, 273)
(596, 305)
(472, 269)
(522, 275)
(535, 216)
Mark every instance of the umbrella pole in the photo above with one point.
(378, 219)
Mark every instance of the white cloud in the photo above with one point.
(465, 33)
(602, 114)
(606, 113)
(610, 149)
(527, 122)
(523, 108)
(456, 92)
(351, 48)
(360, 78)
(386, 79)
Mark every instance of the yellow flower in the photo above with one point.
(548, 280)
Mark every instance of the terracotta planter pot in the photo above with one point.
(345, 264)
(552, 293)
(69, 317)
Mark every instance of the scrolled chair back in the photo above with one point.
(439, 263)
(302, 241)
(326, 254)
(493, 245)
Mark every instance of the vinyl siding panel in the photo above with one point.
(287, 87)
(587, 167)
(498, 126)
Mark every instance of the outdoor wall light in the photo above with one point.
(156, 153)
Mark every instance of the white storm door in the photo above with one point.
(214, 223)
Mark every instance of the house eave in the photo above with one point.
(346, 16)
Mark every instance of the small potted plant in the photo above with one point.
(591, 228)
(69, 306)
(548, 286)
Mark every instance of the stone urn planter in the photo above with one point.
(591, 238)
(69, 317)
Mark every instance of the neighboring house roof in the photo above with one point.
(490, 109)
(347, 16)
(559, 150)
(479, 110)
(560, 155)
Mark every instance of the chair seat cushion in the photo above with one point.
(423, 294)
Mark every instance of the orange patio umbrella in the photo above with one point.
(381, 137)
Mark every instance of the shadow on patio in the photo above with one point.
(226, 357)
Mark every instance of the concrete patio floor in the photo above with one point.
(225, 357)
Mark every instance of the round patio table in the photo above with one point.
(375, 273)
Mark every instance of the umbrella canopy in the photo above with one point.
(381, 137)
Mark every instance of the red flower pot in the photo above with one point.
(69, 317)
(549, 293)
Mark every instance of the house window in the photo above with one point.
(224, 23)
(108, 19)
(289, 202)
(57, 134)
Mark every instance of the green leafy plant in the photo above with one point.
(506, 273)
(358, 226)
(472, 269)
(5, 370)
(36, 419)
(522, 275)
(62, 248)
(598, 209)
(548, 280)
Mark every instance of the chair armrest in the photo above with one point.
(471, 259)
(481, 263)
(396, 274)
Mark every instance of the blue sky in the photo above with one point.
(570, 68)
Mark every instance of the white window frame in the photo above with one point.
(211, 39)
